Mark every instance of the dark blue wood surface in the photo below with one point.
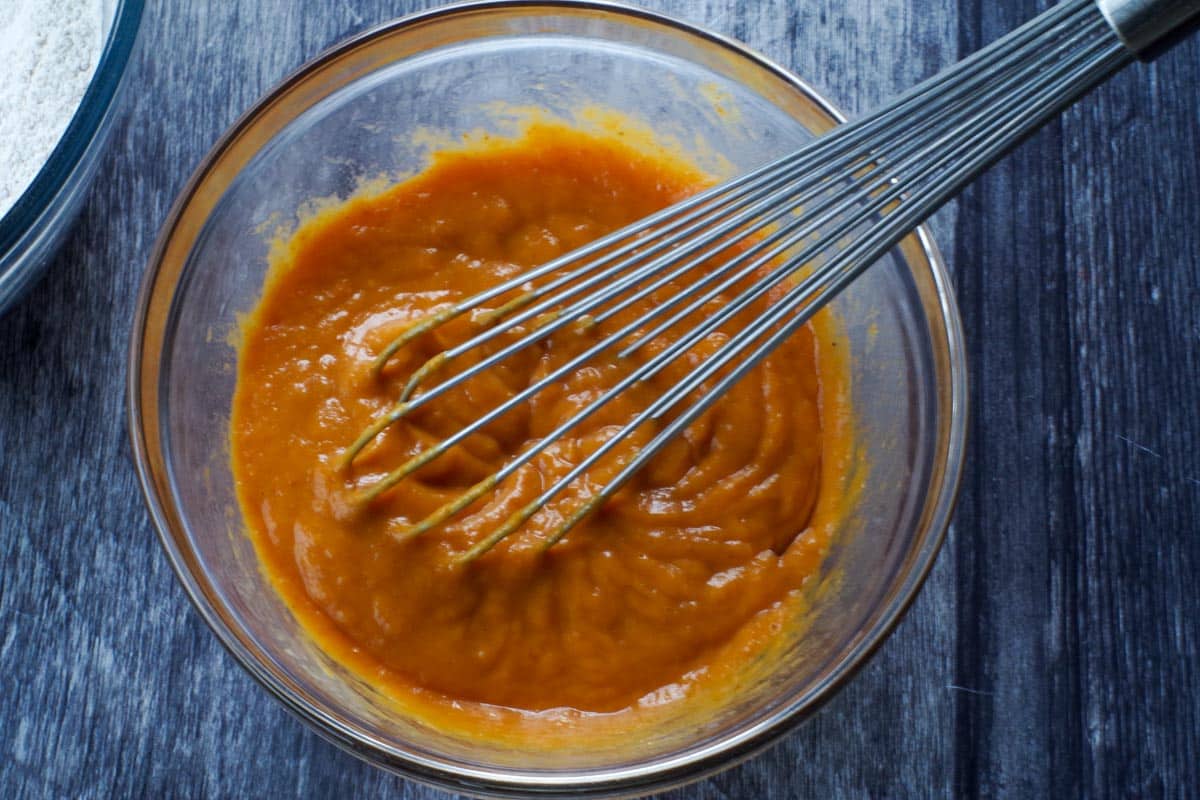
(1054, 650)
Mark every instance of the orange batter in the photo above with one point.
(644, 598)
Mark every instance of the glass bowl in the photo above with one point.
(362, 110)
(33, 228)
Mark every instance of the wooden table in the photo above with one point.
(1055, 650)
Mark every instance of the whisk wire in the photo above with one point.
(782, 199)
(914, 150)
(911, 103)
(851, 196)
(874, 247)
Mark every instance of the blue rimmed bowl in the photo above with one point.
(36, 224)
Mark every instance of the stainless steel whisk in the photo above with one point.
(834, 207)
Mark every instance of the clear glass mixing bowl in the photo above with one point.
(357, 112)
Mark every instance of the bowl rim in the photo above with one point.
(102, 90)
(661, 773)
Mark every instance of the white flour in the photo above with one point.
(48, 52)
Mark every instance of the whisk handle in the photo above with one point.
(1147, 26)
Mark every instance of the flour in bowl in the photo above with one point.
(48, 52)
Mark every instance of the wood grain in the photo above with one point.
(1053, 651)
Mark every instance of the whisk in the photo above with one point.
(811, 222)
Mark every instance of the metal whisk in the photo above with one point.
(832, 208)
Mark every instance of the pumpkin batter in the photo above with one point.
(642, 600)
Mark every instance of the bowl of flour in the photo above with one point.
(62, 75)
